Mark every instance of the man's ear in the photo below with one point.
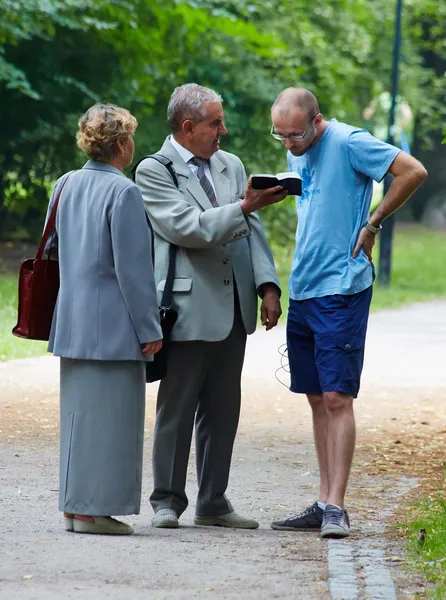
(187, 127)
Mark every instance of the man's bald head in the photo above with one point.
(296, 119)
(292, 98)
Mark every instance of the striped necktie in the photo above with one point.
(204, 181)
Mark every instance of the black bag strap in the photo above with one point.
(166, 300)
(161, 159)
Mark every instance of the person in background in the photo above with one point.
(105, 327)
(331, 280)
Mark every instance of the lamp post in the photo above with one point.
(385, 252)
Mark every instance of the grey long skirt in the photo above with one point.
(101, 436)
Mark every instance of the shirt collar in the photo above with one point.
(185, 154)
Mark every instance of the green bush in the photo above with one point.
(427, 542)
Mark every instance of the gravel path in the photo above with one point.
(274, 474)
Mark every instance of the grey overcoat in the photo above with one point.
(107, 305)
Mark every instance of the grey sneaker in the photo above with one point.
(165, 518)
(335, 523)
(309, 519)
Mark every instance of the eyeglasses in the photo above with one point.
(297, 137)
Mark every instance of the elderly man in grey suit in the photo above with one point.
(223, 264)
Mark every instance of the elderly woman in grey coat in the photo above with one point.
(105, 327)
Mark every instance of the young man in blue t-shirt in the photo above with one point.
(331, 280)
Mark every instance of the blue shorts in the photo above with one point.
(326, 339)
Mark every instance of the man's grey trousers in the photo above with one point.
(202, 385)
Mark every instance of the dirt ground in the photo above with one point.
(401, 417)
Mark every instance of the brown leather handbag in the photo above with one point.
(39, 286)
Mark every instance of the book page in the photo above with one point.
(290, 175)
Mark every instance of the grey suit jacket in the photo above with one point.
(107, 305)
(216, 245)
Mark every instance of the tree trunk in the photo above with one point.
(435, 159)
(3, 210)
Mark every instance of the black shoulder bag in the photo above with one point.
(157, 369)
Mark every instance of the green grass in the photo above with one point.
(429, 557)
(11, 346)
(419, 273)
(418, 269)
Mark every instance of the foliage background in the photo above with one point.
(58, 57)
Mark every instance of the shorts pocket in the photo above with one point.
(352, 347)
(339, 360)
(349, 342)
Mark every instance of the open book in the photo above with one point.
(291, 181)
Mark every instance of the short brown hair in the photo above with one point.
(99, 129)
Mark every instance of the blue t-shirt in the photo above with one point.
(337, 174)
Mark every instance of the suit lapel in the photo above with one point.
(186, 177)
(194, 188)
(221, 183)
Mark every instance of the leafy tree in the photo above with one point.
(47, 75)
(58, 57)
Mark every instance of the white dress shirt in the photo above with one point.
(186, 155)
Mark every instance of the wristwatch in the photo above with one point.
(372, 228)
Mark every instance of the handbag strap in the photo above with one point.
(166, 300)
(51, 223)
(161, 159)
